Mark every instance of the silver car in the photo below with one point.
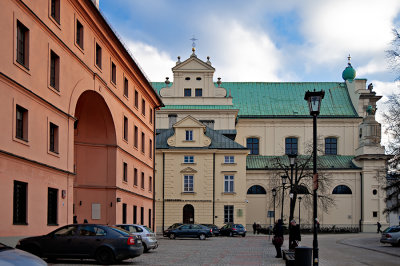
(17, 257)
(391, 235)
(149, 240)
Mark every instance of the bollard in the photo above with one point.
(303, 256)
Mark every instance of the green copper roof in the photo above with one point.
(259, 162)
(284, 99)
(349, 73)
(198, 107)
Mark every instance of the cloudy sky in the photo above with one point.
(262, 40)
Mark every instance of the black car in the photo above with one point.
(232, 230)
(190, 230)
(214, 228)
(106, 244)
(175, 225)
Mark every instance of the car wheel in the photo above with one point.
(145, 249)
(171, 236)
(230, 234)
(202, 237)
(105, 256)
(244, 235)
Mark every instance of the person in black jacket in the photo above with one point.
(278, 238)
(294, 235)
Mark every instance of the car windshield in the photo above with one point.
(148, 229)
(239, 226)
(120, 230)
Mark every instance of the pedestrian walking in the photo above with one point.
(378, 225)
(294, 235)
(278, 238)
(254, 228)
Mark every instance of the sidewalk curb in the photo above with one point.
(372, 249)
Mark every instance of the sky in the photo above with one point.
(262, 40)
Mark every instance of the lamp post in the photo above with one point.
(284, 181)
(299, 209)
(292, 159)
(314, 99)
(274, 195)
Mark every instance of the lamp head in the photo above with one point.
(314, 99)
(284, 179)
(274, 192)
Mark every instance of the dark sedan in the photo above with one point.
(214, 228)
(232, 230)
(175, 225)
(190, 230)
(106, 244)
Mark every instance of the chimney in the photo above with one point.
(96, 3)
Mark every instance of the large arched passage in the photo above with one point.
(256, 206)
(95, 159)
(188, 214)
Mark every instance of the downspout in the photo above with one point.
(362, 202)
(213, 189)
(163, 191)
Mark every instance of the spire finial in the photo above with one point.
(193, 39)
(349, 59)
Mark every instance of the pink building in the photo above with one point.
(77, 115)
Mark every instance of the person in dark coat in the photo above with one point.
(294, 235)
(278, 238)
(378, 224)
(254, 228)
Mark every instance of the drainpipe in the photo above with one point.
(213, 188)
(163, 191)
(362, 202)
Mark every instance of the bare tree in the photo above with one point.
(393, 54)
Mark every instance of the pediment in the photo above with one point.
(189, 121)
(193, 64)
(188, 170)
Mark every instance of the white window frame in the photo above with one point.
(189, 135)
(229, 159)
(229, 183)
(188, 159)
(188, 183)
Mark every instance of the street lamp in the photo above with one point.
(284, 181)
(274, 195)
(299, 209)
(292, 159)
(314, 99)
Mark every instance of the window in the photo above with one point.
(135, 137)
(228, 214)
(52, 206)
(291, 146)
(149, 218)
(256, 189)
(188, 159)
(135, 177)
(143, 107)
(142, 183)
(136, 99)
(187, 92)
(230, 159)
(19, 202)
(124, 213)
(54, 70)
(229, 183)
(252, 144)
(143, 142)
(141, 215)
(188, 183)
(172, 120)
(126, 87)
(22, 45)
(150, 183)
(150, 148)
(21, 123)
(189, 135)
(187, 78)
(198, 78)
(98, 55)
(331, 146)
(53, 138)
(125, 128)
(125, 172)
(79, 34)
(198, 92)
(208, 123)
(113, 73)
(55, 10)
(151, 116)
(374, 214)
(66, 231)
(91, 230)
(134, 214)
(342, 189)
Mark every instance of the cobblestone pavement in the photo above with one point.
(343, 250)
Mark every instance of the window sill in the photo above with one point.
(228, 193)
(188, 140)
(56, 91)
(98, 67)
(189, 193)
(22, 141)
(54, 153)
(20, 223)
(22, 67)
(188, 163)
(228, 163)
(52, 224)
(79, 47)
(125, 182)
(57, 23)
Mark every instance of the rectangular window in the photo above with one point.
(252, 144)
(189, 135)
(125, 172)
(199, 92)
(150, 183)
(188, 183)
(136, 99)
(124, 213)
(54, 70)
(143, 107)
(19, 202)
(172, 120)
(291, 146)
(53, 138)
(374, 214)
(228, 214)
(125, 128)
(134, 214)
(141, 215)
(52, 206)
(113, 73)
(331, 146)
(149, 218)
(135, 177)
(150, 148)
(143, 142)
(55, 10)
(142, 183)
(230, 159)
(126, 87)
(79, 34)
(21, 123)
(135, 137)
(188, 159)
(187, 92)
(22, 44)
(151, 116)
(229, 183)
(98, 55)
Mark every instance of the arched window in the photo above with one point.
(252, 144)
(291, 146)
(331, 146)
(300, 189)
(342, 189)
(256, 189)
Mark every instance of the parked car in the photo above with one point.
(106, 244)
(232, 230)
(149, 240)
(391, 235)
(175, 225)
(190, 230)
(214, 228)
(17, 257)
